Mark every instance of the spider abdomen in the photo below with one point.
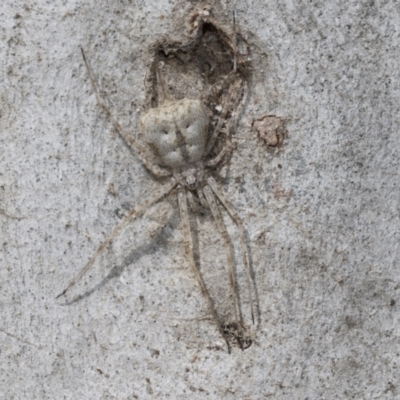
(177, 132)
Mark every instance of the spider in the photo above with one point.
(178, 145)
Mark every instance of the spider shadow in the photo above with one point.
(158, 242)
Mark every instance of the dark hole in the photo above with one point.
(207, 27)
(162, 53)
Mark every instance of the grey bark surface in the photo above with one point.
(321, 212)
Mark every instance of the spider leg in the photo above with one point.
(188, 241)
(217, 159)
(224, 113)
(163, 88)
(203, 200)
(132, 213)
(234, 215)
(228, 248)
(193, 204)
(234, 42)
(218, 128)
(232, 91)
(138, 148)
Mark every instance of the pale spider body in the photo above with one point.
(178, 145)
(177, 133)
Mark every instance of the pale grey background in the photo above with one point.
(321, 214)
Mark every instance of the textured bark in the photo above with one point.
(320, 208)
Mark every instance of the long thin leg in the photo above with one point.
(232, 212)
(221, 120)
(234, 42)
(222, 117)
(203, 200)
(228, 249)
(162, 87)
(193, 204)
(217, 159)
(163, 191)
(233, 90)
(132, 143)
(188, 241)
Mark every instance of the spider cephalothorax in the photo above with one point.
(190, 175)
